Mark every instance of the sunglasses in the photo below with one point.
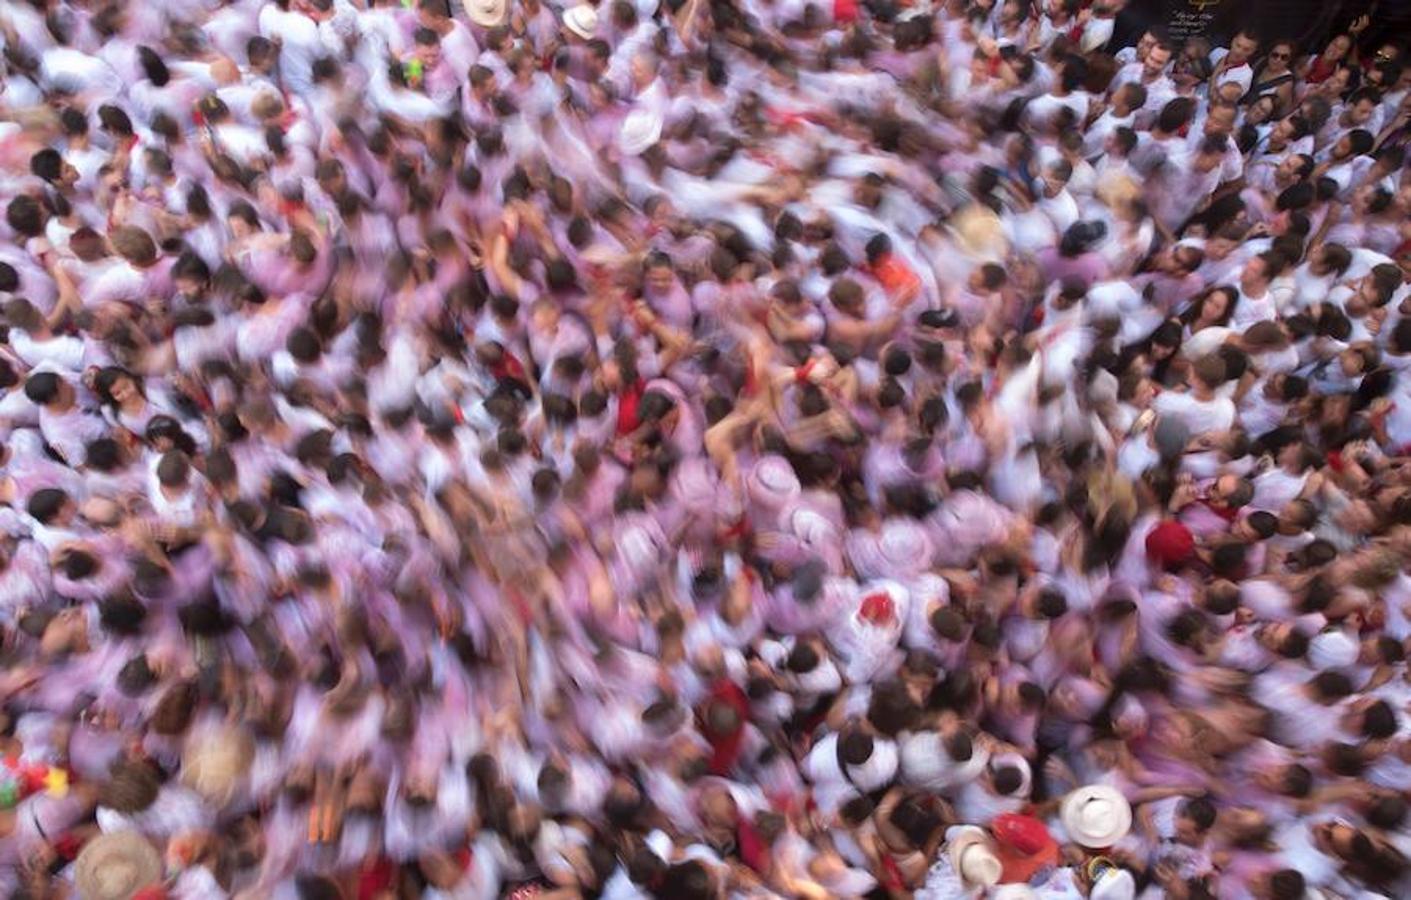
(1280, 55)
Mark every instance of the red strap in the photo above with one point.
(892, 878)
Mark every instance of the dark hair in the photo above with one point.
(1200, 811)
(25, 216)
(152, 66)
(855, 748)
(47, 164)
(1298, 780)
(317, 887)
(803, 658)
(103, 454)
(1379, 721)
(1263, 522)
(688, 880)
(173, 469)
(1387, 812)
(42, 388)
(891, 710)
(73, 122)
(916, 820)
(1332, 685)
(113, 119)
(959, 746)
(1287, 884)
(1008, 779)
(136, 676)
(45, 503)
(1176, 114)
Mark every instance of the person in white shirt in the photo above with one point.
(1233, 63)
(1258, 300)
(1202, 410)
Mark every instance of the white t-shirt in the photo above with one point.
(1216, 414)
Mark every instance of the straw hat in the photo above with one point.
(486, 13)
(215, 762)
(116, 866)
(582, 20)
(979, 233)
(973, 857)
(1096, 816)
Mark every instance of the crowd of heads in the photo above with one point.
(683, 449)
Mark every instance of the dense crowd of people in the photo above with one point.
(701, 448)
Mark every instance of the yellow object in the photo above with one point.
(56, 783)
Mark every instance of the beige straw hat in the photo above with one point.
(116, 866)
(216, 761)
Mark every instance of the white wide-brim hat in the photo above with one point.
(1096, 816)
(640, 130)
(905, 547)
(772, 483)
(1115, 884)
(972, 855)
(486, 13)
(582, 20)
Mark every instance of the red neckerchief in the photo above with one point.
(509, 367)
(740, 529)
(1224, 512)
(759, 154)
(375, 877)
(753, 851)
(892, 878)
(627, 400)
(751, 380)
(725, 749)
(1075, 32)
